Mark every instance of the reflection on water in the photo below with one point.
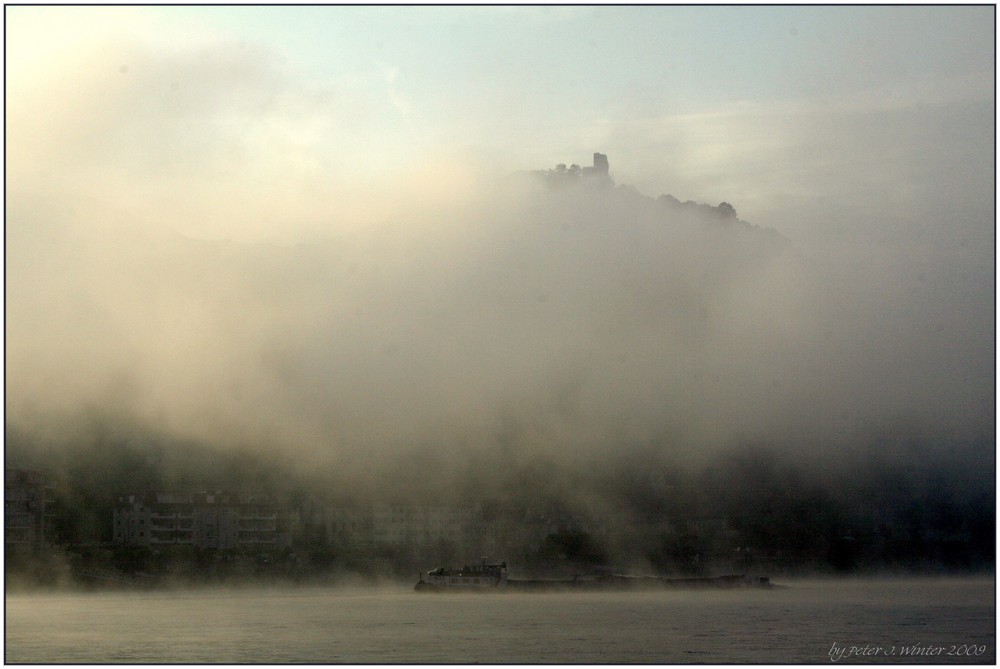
(806, 623)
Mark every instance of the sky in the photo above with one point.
(233, 220)
(704, 99)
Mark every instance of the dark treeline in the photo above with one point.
(869, 511)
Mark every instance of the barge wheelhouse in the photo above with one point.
(481, 576)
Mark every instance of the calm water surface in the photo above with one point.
(805, 623)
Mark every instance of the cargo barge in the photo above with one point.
(485, 577)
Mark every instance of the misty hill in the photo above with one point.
(548, 305)
(559, 343)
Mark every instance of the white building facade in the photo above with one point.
(203, 520)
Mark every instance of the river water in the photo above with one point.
(906, 620)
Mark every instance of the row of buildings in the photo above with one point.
(203, 520)
(224, 520)
(258, 524)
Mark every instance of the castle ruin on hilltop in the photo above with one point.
(562, 174)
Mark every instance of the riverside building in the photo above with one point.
(202, 520)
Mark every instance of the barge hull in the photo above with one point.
(618, 582)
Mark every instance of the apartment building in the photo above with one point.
(202, 520)
(27, 508)
(420, 524)
(386, 525)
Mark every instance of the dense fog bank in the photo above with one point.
(564, 318)
(561, 346)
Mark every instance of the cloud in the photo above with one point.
(589, 319)
(189, 243)
(398, 99)
(216, 140)
(881, 150)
